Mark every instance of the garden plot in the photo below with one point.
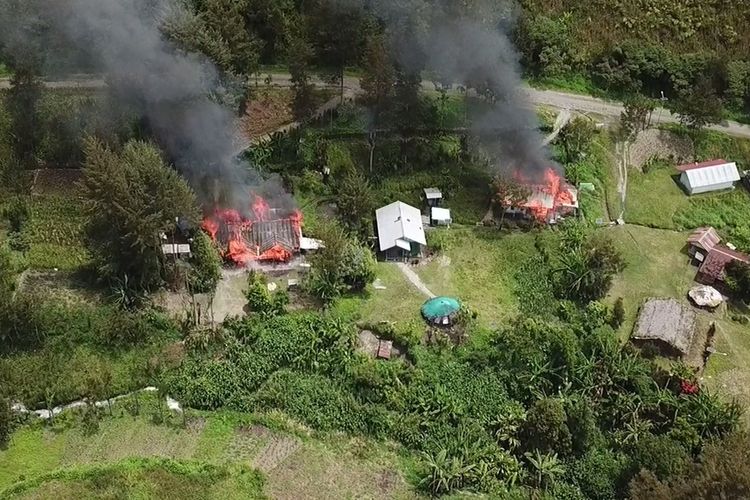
(297, 466)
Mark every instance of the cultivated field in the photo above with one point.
(294, 463)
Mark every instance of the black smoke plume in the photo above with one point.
(175, 92)
(470, 46)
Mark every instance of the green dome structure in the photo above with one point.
(441, 310)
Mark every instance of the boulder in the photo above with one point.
(706, 296)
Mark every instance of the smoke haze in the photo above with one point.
(172, 90)
(477, 53)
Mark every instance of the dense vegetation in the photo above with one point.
(547, 402)
(557, 405)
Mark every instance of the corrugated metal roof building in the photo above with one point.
(400, 231)
(714, 175)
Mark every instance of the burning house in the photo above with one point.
(548, 201)
(265, 235)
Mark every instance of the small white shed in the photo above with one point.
(440, 216)
(715, 175)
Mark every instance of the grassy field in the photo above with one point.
(294, 463)
(478, 266)
(654, 198)
(657, 266)
(398, 302)
(144, 479)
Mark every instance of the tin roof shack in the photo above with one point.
(711, 272)
(715, 175)
(701, 242)
(667, 324)
(400, 232)
(433, 197)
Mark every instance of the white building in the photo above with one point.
(714, 175)
(440, 216)
(400, 231)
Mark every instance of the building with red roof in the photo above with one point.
(701, 242)
(711, 271)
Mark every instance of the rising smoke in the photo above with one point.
(174, 91)
(474, 50)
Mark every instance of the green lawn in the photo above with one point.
(654, 198)
(295, 463)
(656, 267)
(399, 302)
(478, 265)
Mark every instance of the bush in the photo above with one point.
(261, 301)
(205, 272)
(315, 400)
(660, 455)
(599, 474)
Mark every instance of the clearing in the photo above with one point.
(296, 464)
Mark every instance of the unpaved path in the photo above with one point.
(623, 154)
(563, 117)
(415, 280)
(535, 97)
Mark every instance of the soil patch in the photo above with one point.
(275, 452)
(56, 180)
(269, 110)
(655, 143)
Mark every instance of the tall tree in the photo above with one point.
(378, 75)
(21, 48)
(218, 29)
(132, 198)
(300, 54)
(700, 105)
(337, 34)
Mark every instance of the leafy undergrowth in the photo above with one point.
(144, 479)
(54, 232)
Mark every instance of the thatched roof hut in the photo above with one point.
(667, 323)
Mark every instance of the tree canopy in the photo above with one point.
(132, 199)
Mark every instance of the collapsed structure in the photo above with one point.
(548, 201)
(266, 235)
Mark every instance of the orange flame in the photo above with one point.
(550, 198)
(227, 228)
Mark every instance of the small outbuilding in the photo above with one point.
(433, 197)
(440, 216)
(701, 242)
(668, 324)
(400, 231)
(715, 175)
(712, 270)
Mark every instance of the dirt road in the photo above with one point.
(585, 104)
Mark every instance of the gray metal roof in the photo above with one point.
(712, 175)
(398, 225)
(432, 193)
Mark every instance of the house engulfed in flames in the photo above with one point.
(548, 201)
(267, 235)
